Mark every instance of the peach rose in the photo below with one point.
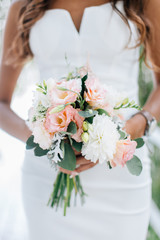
(124, 152)
(58, 122)
(62, 97)
(95, 94)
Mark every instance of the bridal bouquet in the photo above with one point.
(79, 113)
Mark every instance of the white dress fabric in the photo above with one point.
(118, 203)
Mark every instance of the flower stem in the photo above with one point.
(75, 186)
(67, 197)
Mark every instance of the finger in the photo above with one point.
(82, 160)
(72, 173)
(65, 170)
(85, 167)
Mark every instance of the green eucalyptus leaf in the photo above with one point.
(140, 142)
(102, 111)
(39, 152)
(134, 166)
(88, 113)
(69, 160)
(30, 144)
(72, 128)
(122, 134)
(77, 145)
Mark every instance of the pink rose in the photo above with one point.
(124, 152)
(62, 97)
(58, 122)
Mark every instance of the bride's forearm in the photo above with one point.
(153, 103)
(12, 123)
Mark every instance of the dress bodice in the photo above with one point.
(103, 37)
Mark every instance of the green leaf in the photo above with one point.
(134, 166)
(30, 144)
(109, 165)
(101, 111)
(122, 134)
(90, 119)
(77, 145)
(140, 142)
(88, 113)
(83, 84)
(39, 152)
(72, 128)
(69, 160)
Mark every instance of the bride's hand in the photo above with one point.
(82, 163)
(135, 126)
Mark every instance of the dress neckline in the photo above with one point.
(67, 13)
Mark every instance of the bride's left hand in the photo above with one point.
(83, 165)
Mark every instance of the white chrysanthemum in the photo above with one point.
(102, 140)
(41, 136)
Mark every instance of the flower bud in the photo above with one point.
(85, 126)
(57, 109)
(132, 102)
(85, 137)
(125, 101)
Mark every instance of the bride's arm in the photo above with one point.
(9, 121)
(136, 125)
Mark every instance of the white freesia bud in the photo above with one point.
(40, 90)
(85, 137)
(85, 126)
(57, 109)
(132, 102)
(125, 101)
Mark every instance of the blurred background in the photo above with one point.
(12, 219)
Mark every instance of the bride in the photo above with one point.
(111, 32)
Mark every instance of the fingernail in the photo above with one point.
(74, 173)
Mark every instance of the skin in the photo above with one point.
(14, 125)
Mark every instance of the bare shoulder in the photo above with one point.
(11, 27)
(15, 8)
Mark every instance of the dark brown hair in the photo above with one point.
(33, 10)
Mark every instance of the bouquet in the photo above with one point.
(78, 112)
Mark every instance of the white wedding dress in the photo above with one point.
(118, 203)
